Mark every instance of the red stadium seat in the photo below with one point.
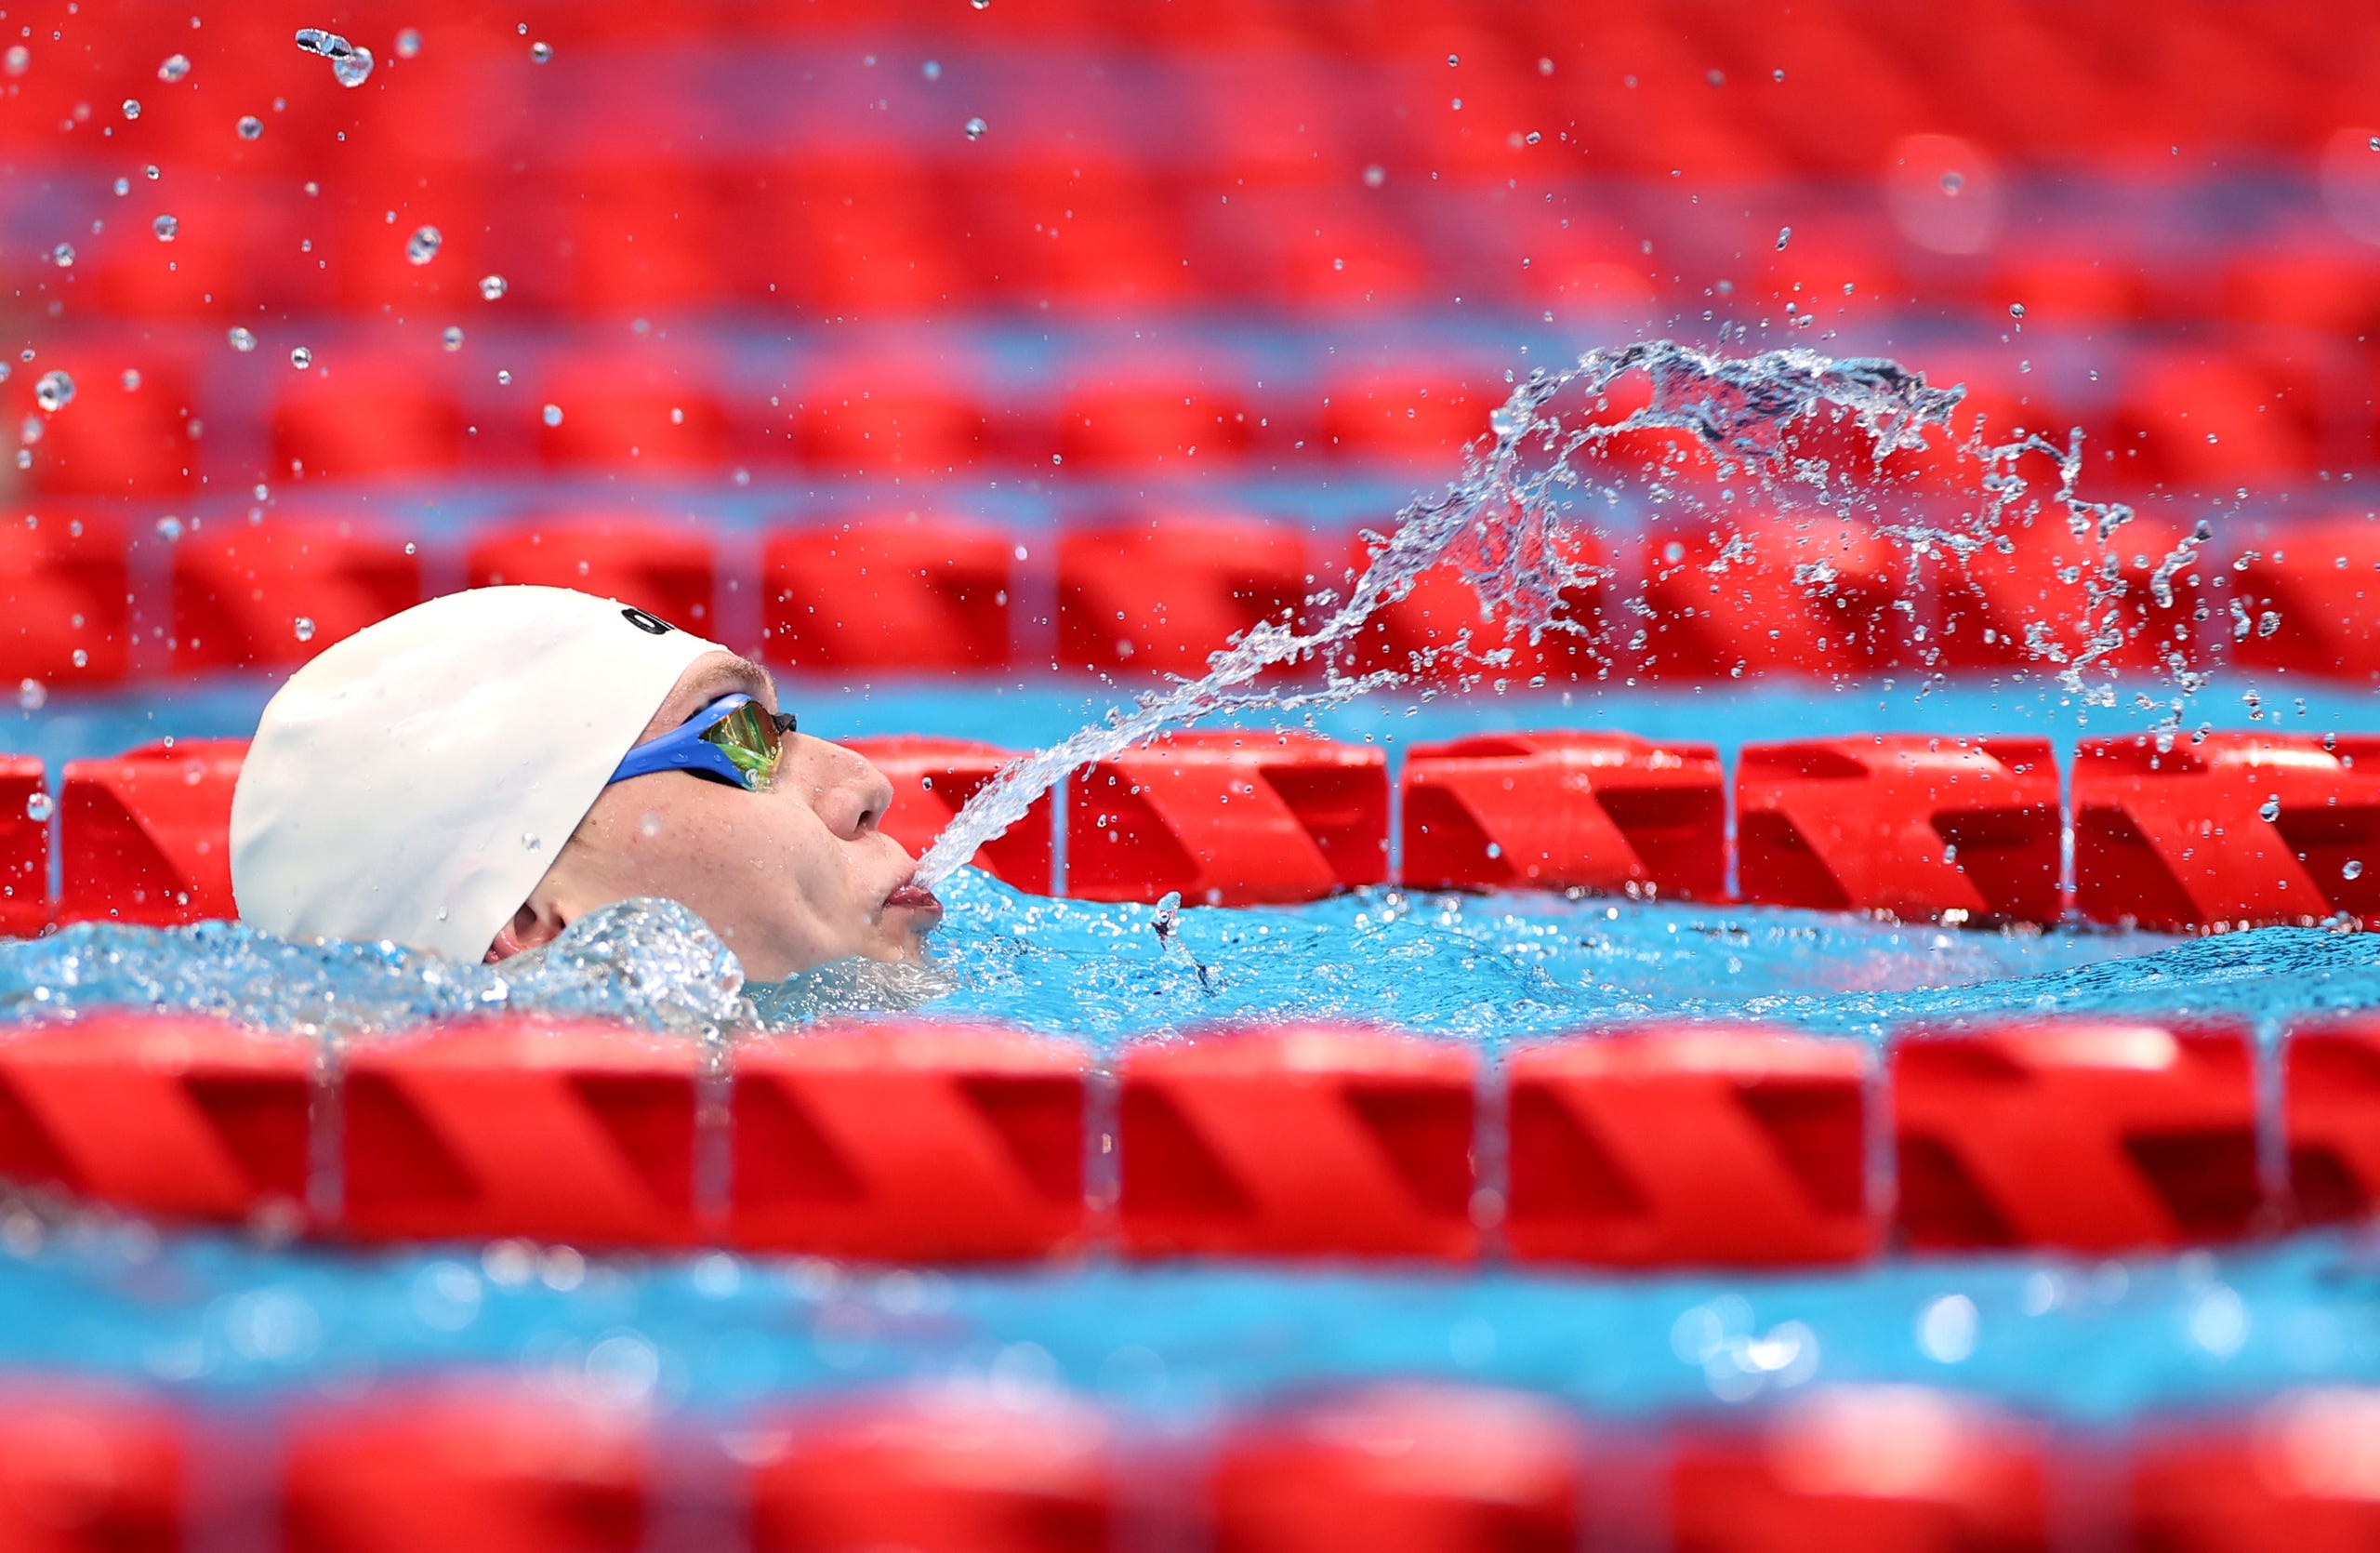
(1229, 818)
(1412, 414)
(2099, 1136)
(923, 1143)
(2291, 1475)
(273, 595)
(2307, 601)
(1906, 825)
(2231, 830)
(909, 595)
(848, 239)
(645, 238)
(1435, 631)
(581, 1133)
(1879, 1469)
(628, 414)
(1402, 1470)
(91, 1467)
(1571, 810)
(65, 586)
(1811, 594)
(2044, 601)
(871, 416)
(484, 1467)
(1160, 594)
(25, 807)
(369, 417)
(174, 1115)
(2201, 420)
(1154, 418)
(145, 836)
(1691, 1146)
(111, 440)
(940, 1474)
(1297, 1141)
(1082, 236)
(932, 779)
(2330, 1106)
(653, 563)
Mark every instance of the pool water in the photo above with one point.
(2094, 1342)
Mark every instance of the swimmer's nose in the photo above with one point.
(862, 794)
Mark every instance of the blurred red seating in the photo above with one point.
(1435, 632)
(2091, 1135)
(874, 416)
(2231, 830)
(2331, 1114)
(1297, 1141)
(1881, 1469)
(1159, 594)
(851, 238)
(1085, 235)
(474, 1468)
(907, 595)
(1566, 810)
(1228, 817)
(353, 419)
(2307, 601)
(1680, 1146)
(167, 1114)
(2195, 419)
(556, 1131)
(90, 1467)
(213, 266)
(2046, 600)
(1811, 594)
(941, 1474)
(1154, 418)
(644, 236)
(65, 588)
(1413, 412)
(110, 440)
(932, 778)
(241, 592)
(2296, 1474)
(1402, 1470)
(1916, 827)
(919, 1143)
(145, 836)
(666, 567)
(630, 414)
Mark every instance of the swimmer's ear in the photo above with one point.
(536, 924)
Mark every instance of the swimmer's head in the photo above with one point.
(448, 779)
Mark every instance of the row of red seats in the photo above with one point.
(479, 1464)
(1660, 1147)
(1906, 826)
(885, 594)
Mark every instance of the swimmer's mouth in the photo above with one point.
(910, 895)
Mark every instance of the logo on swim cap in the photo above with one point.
(652, 625)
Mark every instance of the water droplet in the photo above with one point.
(452, 338)
(132, 107)
(2375, 139)
(19, 57)
(122, 186)
(975, 128)
(152, 172)
(354, 70)
(39, 807)
(303, 629)
(1715, 78)
(32, 695)
(408, 42)
(1777, 75)
(649, 827)
(2351, 869)
(250, 127)
(55, 391)
(301, 358)
(979, 5)
(503, 377)
(1953, 183)
(2016, 309)
(931, 69)
(330, 46)
(169, 528)
(491, 287)
(551, 415)
(2271, 809)
(62, 256)
(422, 246)
(529, 840)
(80, 658)
(164, 227)
(1374, 176)
(1505, 422)
(241, 339)
(1784, 235)
(173, 69)
(1454, 59)
(540, 52)
(131, 379)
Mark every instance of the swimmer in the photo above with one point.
(474, 775)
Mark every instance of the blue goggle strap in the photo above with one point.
(685, 748)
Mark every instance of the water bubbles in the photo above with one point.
(422, 246)
(408, 42)
(174, 67)
(2017, 311)
(54, 393)
(1374, 176)
(1953, 183)
(452, 338)
(1714, 78)
(650, 825)
(301, 358)
(122, 186)
(492, 286)
(169, 528)
(19, 57)
(330, 46)
(152, 172)
(2351, 869)
(930, 70)
(2375, 139)
(62, 256)
(354, 70)
(550, 415)
(32, 695)
(302, 628)
(131, 379)
(979, 5)
(531, 842)
(250, 127)
(975, 128)
(2270, 811)
(1784, 235)
(1454, 60)
(1777, 76)
(39, 805)
(132, 107)
(165, 227)
(540, 52)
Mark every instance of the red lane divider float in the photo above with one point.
(1228, 819)
(2084, 1136)
(91, 1467)
(2308, 601)
(2331, 1117)
(2237, 830)
(1299, 1141)
(1684, 1147)
(145, 837)
(1592, 811)
(1905, 824)
(24, 846)
(932, 778)
(2294, 1474)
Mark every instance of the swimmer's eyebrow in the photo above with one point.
(721, 678)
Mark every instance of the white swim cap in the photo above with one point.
(414, 782)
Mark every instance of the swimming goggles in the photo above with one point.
(734, 739)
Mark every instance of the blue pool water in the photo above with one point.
(227, 1317)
